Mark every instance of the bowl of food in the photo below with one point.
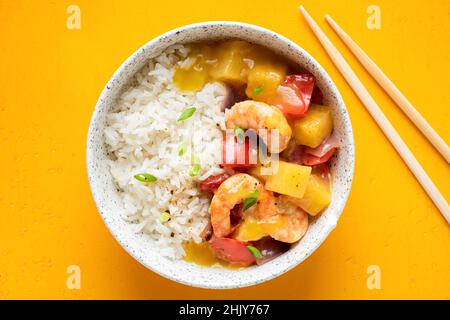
(220, 155)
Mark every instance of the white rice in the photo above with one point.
(144, 136)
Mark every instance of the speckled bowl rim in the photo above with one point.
(329, 225)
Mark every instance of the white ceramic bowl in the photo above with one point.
(138, 245)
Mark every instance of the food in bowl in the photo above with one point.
(220, 152)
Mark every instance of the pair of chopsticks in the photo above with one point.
(375, 111)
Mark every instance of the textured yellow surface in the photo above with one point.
(51, 77)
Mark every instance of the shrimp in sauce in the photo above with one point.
(256, 115)
(232, 192)
(264, 92)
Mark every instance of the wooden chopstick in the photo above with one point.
(380, 118)
(392, 91)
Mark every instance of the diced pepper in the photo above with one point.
(312, 160)
(235, 154)
(213, 182)
(232, 251)
(293, 97)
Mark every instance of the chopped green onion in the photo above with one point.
(182, 149)
(164, 217)
(257, 91)
(195, 169)
(255, 252)
(195, 159)
(145, 177)
(251, 200)
(209, 209)
(187, 114)
(240, 135)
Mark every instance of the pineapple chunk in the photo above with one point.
(314, 127)
(263, 81)
(290, 179)
(260, 171)
(231, 67)
(317, 196)
(256, 172)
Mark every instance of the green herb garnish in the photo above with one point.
(195, 169)
(187, 114)
(145, 177)
(164, 217)
(209, 209)
(251, 200)
(255, 252)
(257, 91)
(195, 159)
(240, 135)
(182, 149)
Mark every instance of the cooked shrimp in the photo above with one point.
(258, 115)
(290, 222)
(234, 191)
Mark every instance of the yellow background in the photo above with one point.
(51, 77)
